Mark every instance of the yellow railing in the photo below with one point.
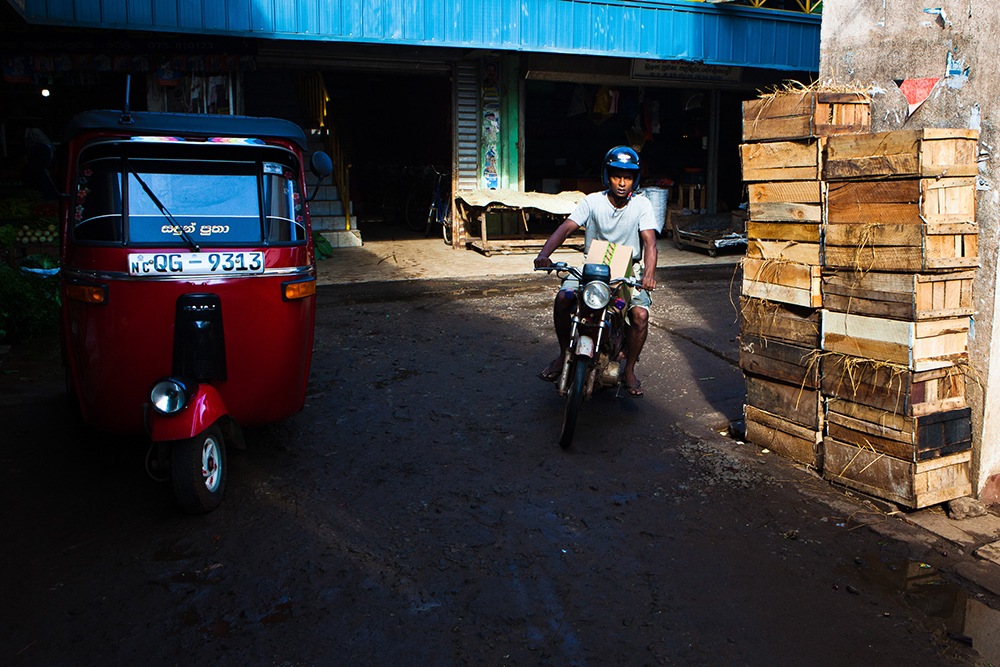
(806, 6)
(314, 102)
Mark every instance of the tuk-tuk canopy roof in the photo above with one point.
(187, 125)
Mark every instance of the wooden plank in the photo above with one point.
(909, 201)
(776, 231)
(873, 420)
(913, 485)
(780, 423)
(901, 153)
(785, 251)
(918, 346)
(785, 212)
(777, 360)
(783, 322)
(791, 274)
(904, 296)
(773, 129)
(797, 404)
(874, 235)
(907, 259)
(849, 193)
(793, 192)
(783, 437)
(781, 294)
(781, 161)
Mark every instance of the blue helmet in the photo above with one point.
(621, 157)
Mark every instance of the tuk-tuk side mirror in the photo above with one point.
(41, 156)
(320, 164)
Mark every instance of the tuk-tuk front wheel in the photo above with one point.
(198, 468)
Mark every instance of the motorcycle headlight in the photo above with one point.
(168, 396)
(596, 295)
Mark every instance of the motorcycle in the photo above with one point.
(598, 341)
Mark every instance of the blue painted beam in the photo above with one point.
(656, 29)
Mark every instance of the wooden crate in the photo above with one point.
(900, 296)
(782, 322)
(900, 154)
(911, 484)
(898, 248)
(915, 201)
(777, 360)
(782, 160)
(802, 115)
(892, 388)
(785, 282)
(918, 346)
(795, 403)
(921, 438)
(786, 192)
(785, 251)
(784, 437)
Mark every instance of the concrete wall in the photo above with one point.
(878, 42)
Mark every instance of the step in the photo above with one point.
(327, 193)
(331, 223)
(321, 208)
(343, 239)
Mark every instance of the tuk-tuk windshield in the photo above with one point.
(144, 198)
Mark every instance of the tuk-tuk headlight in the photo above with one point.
(596, 295)
(168, 396)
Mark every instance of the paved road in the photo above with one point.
(417, 512)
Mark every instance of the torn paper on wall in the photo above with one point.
(916, 91)
(956, 73)
(939, 12)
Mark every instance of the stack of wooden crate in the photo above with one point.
(899, 249)
(857, 295)
(782, 154)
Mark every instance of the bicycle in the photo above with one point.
(439, 212)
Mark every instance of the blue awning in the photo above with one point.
(722, 34)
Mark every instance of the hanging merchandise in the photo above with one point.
(654, 117)
(578, 103)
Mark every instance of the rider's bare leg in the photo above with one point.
(636, 336)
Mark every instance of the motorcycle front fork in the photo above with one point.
(572, 352)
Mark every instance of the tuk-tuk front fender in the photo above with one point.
(204, 409)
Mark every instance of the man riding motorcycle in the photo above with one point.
(613, 215)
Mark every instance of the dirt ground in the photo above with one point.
(418, 512)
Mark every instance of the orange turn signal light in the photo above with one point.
(87, 293)
(298, 289)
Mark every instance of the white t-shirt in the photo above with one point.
(602, 221)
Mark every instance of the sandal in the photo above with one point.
(550, 375)
(633, 390)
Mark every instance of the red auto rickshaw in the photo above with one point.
(188, 283)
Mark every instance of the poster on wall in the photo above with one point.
(491, 122)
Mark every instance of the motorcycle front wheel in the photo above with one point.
(574, 398)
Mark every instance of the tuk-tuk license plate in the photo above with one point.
(194, 263)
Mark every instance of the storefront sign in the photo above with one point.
(681, 70)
